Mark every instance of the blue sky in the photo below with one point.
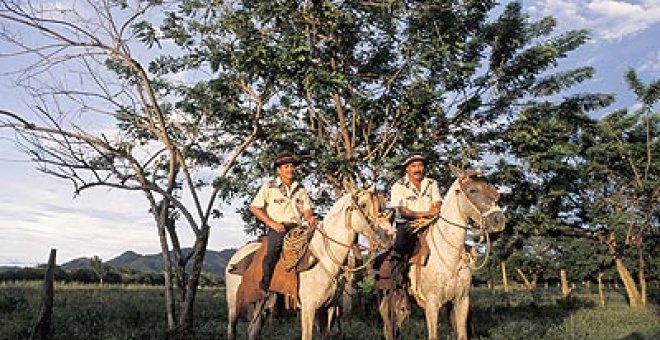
(38, 212)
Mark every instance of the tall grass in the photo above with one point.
(136, 312)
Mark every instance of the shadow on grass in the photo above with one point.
(528, 317)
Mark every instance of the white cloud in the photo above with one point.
(608, 19)
(650, 63)
(40, 213)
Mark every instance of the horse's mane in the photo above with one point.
(450, 194)
(338, 206)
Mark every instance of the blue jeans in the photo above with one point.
(405, 239)
(271, 257)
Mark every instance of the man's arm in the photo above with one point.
(413, 215)
(261, 215)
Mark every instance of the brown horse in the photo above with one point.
(447, 274)
(353, 214)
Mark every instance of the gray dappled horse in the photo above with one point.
(447, 275)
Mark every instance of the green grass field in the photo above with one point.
(135, 312)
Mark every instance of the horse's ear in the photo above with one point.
(349, 186)
(456, 171)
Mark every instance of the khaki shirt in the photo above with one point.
(404, 194)
(282, 203)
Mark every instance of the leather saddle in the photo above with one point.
(389, 266)
(285, 275)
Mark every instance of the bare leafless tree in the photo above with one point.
(98, 267)
(87, 73)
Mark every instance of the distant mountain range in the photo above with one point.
(214, 262)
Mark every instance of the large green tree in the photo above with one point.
(622, 189)
(360, 84)
(594, 184)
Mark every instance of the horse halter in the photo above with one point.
(483, 229)
(492, 208)
(372, 221)
(372, 224)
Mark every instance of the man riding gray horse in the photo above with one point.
(414, 197)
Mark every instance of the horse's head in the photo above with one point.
(370, 220)
(478, 200)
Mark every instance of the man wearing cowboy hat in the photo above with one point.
(413, 196)
(280, 204)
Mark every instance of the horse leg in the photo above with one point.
(232, 317)
(334, 317)
(460, 315)
(307, 322)
(254, 328)
(323, 319)
(432, 311)
(271, 308)
(233, 308)
(400, 309)
(385, 309)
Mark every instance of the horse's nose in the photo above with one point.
(495, 221)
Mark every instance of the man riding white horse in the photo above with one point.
(280, 204)
(414, 197)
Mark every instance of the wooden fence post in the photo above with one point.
(565, 289)
(42, 329)
(601, 289)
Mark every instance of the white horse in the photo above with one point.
(447, 274)
(352, 214)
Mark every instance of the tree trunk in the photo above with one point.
(42, 329)
(505, 282)
(634, 297)
(187, 308)
(565, 289)
(529, 285)
(642, 276)
(167, 276)
(601, 289)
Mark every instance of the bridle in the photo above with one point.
(372, 225)
(373, 219)
(481, 221)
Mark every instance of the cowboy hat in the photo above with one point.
(285, 158)
(416, 157)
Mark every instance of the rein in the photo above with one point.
(482, 230)
(326, 238)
